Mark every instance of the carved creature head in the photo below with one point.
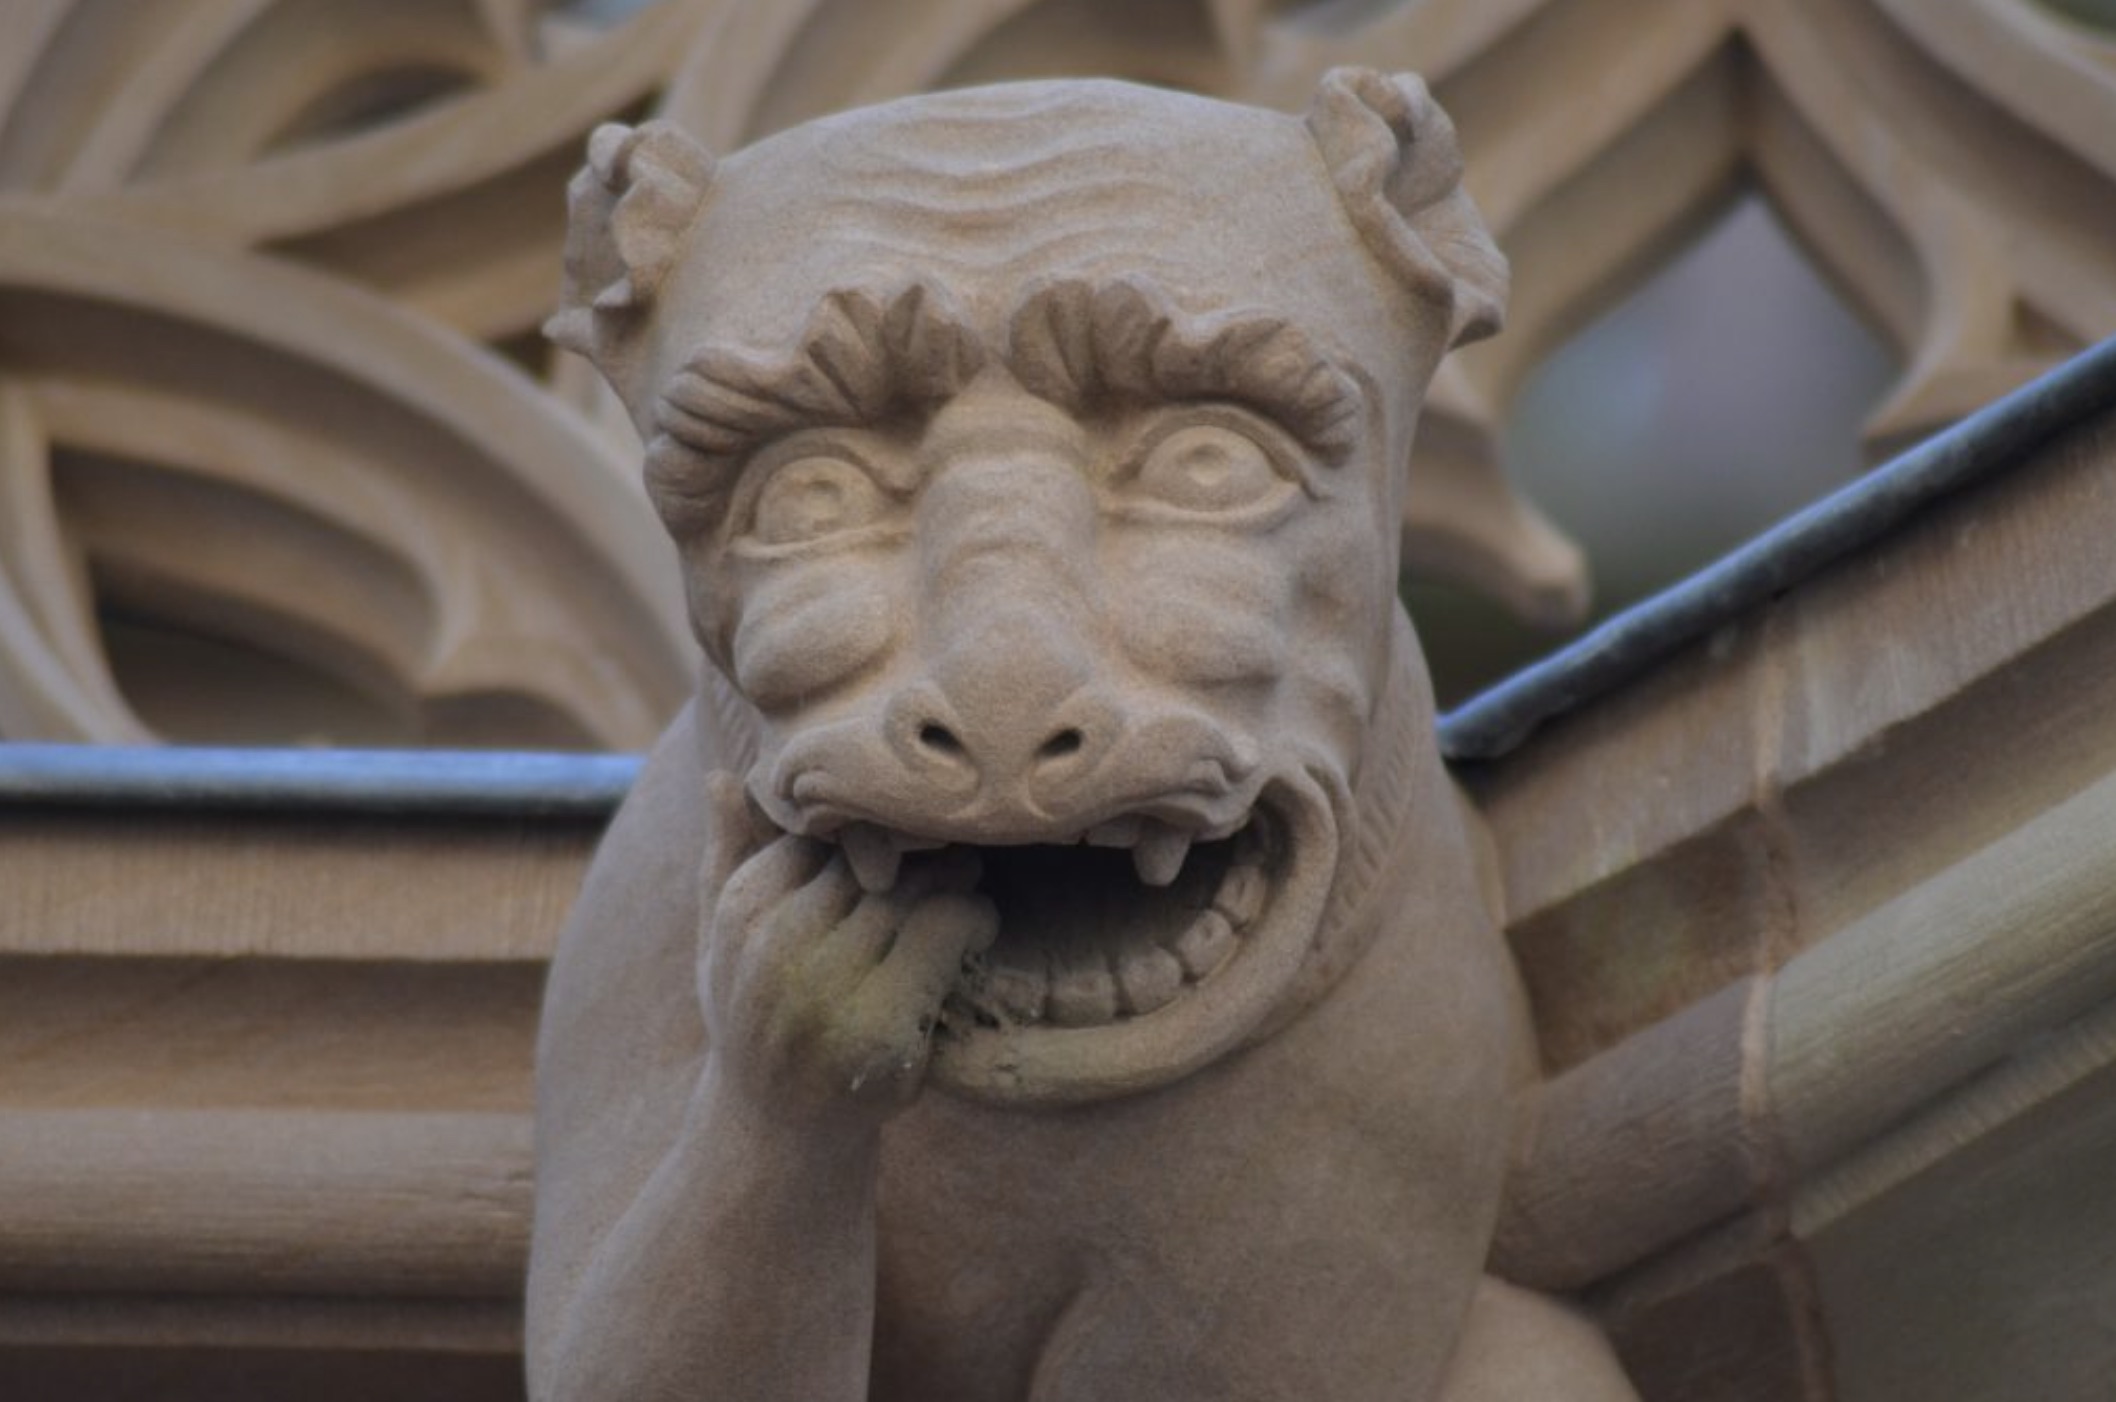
(1036, 454)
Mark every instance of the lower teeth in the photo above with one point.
(1094, 989)
(1083, 998)
(1204, 944)
(1148, 979)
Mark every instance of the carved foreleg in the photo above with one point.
(744, 1270)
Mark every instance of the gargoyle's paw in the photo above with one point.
(889, 1019)
(736, 830)
(923, 965)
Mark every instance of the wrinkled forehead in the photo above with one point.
(986, 192)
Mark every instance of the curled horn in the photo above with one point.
(627, 213)
(1392, 153)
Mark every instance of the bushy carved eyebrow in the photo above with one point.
(1078, 344)
(864, 359)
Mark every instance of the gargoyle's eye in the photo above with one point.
(808, 498)
(1208, 468)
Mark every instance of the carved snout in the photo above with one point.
(1011, 705)
(1012, 711)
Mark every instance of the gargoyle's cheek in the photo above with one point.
(807, 628)
(1210, 614)
(1343, 616)
(1193, 646)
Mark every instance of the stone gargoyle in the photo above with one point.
(1049, 959)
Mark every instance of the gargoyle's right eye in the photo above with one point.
(811, 497)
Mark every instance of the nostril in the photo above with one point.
(1065, 742)
(939, 739)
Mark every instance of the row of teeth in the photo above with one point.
(1158, 849)
(1090, 990)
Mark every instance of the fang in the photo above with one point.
(1159, 856)
(873, 856)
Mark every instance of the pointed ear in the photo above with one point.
(627, 213)
(1392, 153)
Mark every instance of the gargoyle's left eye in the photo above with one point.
(1208, 468)
(812, 497)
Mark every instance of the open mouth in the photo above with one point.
(1128, 956)
(1094, 934)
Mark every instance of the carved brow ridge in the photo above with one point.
(1078, 343)
(865, 360)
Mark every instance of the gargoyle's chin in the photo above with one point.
(1136, 953)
